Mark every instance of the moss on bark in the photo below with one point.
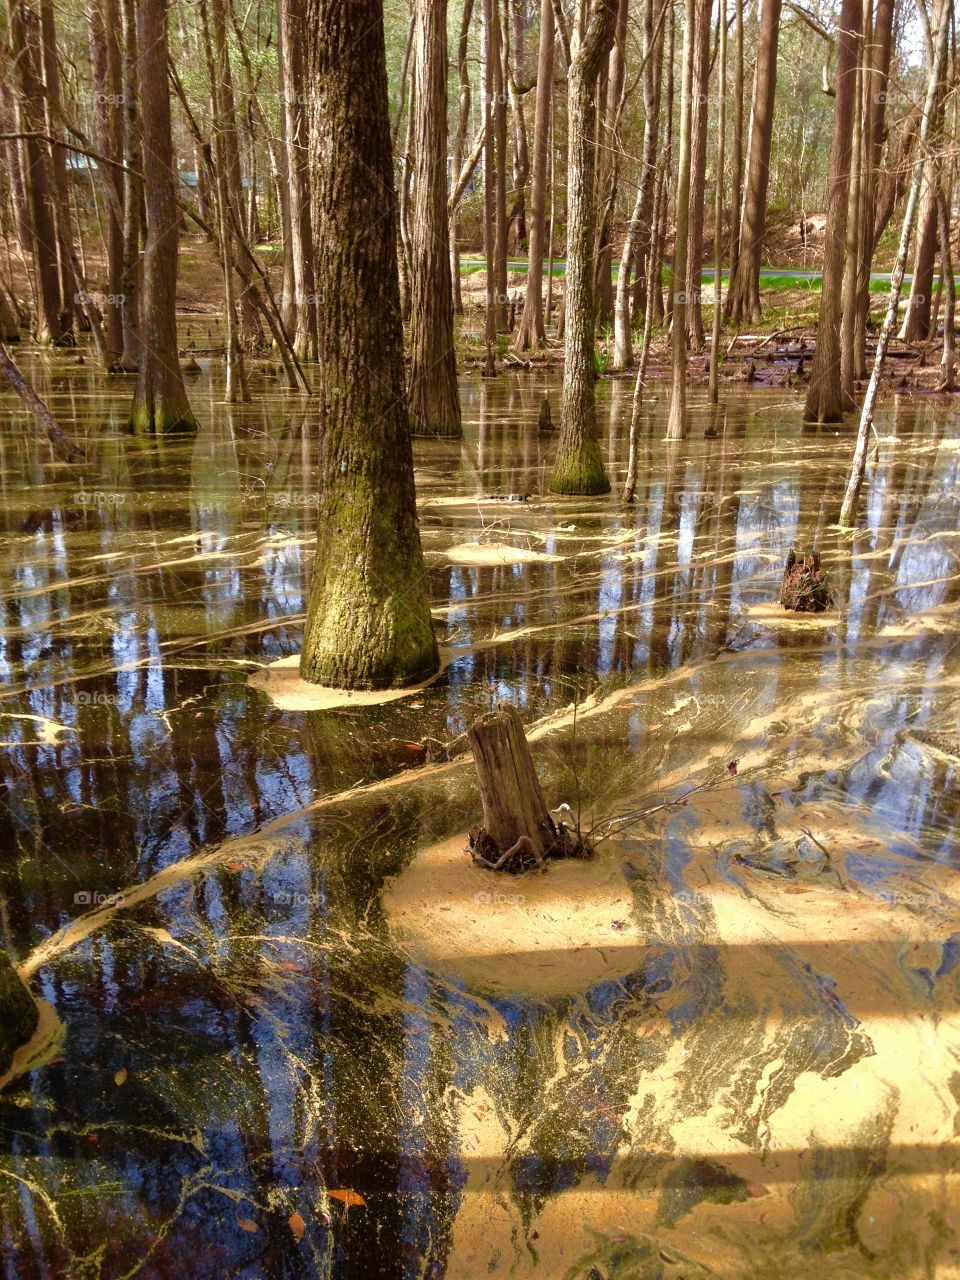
(368, 621)
(580, 469)
(18, 1012)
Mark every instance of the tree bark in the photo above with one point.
(743, 296)
(855, 479)
(304, 310)
(532, 332)
(132, 275)
(24, 36)
(698, 170)
(160, 401)
(824, 403)
(514, 811)
(677, 420)
(434, 396)
(368, 621)
(103, 17)
(579, 467)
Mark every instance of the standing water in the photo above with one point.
(295, 1032)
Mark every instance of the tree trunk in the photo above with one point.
(460, 137)
(516, 823)
(434, 397)
(368, 621)
(579, 464)
(50, 63)
(638, 241)
(160, 401)
(743, 296)
(24, 38)
(304, 311)
(736, 151)
(531, 332)
(824, 401)
(18, 1012)
(677, 421)
(855, 479)
(132, 276)
(698, 170)
(103, 18)
(718, 183)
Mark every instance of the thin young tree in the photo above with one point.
(855, 479)
(302, 307)
(160, 401)
(434, 397)
(579, 466)
(824, 403)
(368, 620)
(677, 420)
(531, 331)
(718, 184)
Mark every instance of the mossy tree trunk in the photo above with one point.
(18, 1012)
(743, 298)
(160, 401)
(368, 622)
(579, 466)
(824, 395)
(434, 396)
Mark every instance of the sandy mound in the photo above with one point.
(480, 554)
(538, 934)
(281, 682)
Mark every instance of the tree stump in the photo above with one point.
(517, 831)
(545, 421)
(18, 1012)
(805, 587)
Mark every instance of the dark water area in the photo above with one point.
(308, 1038)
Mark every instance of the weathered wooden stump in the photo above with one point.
(805, 587)
(545, 421)
(517, 831)
(18, 1012)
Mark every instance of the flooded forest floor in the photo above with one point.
(293, 1031)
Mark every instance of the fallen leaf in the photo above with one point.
(121, 1076)
(247, 1224)
(732, 768)
(234, 866)
(757, 1189)
(297, 1225)
(348, 1196)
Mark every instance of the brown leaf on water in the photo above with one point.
(732, 768)
(247, 1224)
(121, 1076)
(297, 1225)
(348, 1196)
(757, 1189)
(234, 866)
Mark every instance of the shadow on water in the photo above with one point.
(267, 1072)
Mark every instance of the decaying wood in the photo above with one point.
(47, 425)
(805, 587)
(517, 831)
